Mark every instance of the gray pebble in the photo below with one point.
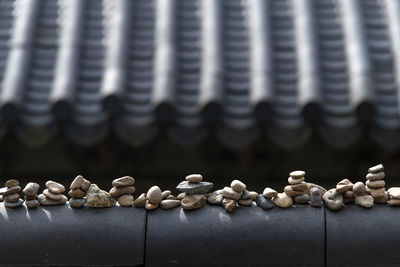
(194, 188)
(77, 202)
(31, 204)
(376, 168)
(264, 203)
(216, 197)
(316, 197)
(359, 188)
(31, 189)
(13, 205)
(302, 199)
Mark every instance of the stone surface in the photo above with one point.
(316, 197)
(150, 206)
(77, 193)
(376, 192)
(119, 191)
(12, 190)
(11, 183)
(292, 193)
(333, 199)
(359, 188)
(365, 201)
(302, 199)
(245, 202)
(264, 203)
(238, 186)
(31, 204)
(394, 192)
(85, 185)
(228, 192)
(77, 202)
(169, 204)
(215, 198)
(45, 201)
(375, 184)
(55, 187)
(269, 193)
(140, 202)
(194, 188)
(282, 200)
(300, 187)
(97, 198)
(126, 200)
(229, 204)
(344, 185)
(51, 195)
(297, 174)
(180, 196)
(123, 181)
(11, 198)
(77, 182)
(14, 204)
(293, 181)
(154, 195)
(383, 199)
(194, 178)
(394, 202)
(31, 189)
(191, 202)
(165, 194)
(375, 176)
(376, 168)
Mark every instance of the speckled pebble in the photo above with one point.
(140, 202)
(229, 204)
(97, 198)
(194, 188)
(11, 183)
(191, 202)
(125, 200)
(216, 197)
(359, 188)
(333, 199)
(365, 201)
(316, 197)
(55, 187)
(31, 189)
(282, 200)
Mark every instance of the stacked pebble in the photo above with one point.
(169, 201)
(394, 194)
(297, 189)
(122, 190)
(195, 191)
(264, 200)
(153, 198)
(52, 195)
(11, 194)
(247, 198)
(361, 197)
(376, 184)
(345, 187)
(77, 192)
(232, 194)
(30, 191)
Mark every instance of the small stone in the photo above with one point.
(282, 200)
(264, 203)
(126, 200)
(165, 194)
(300, 187)
(229, 204)
(77, 182)
(297, 174)
(171, 197)
(376, 168)
(394, 192)
(194, 188)
(123, 181)
(292, 193)
(302, 199)
(14, 204)
(333, 199)
(45, 201)
(311, 185)
(228, 192)
(316, 197)
(294, 181)
(181, 196)
(55, 187)
(154, 195)
(12, 190)
(31, 204)
(344, 185)
(194, 178)
(376, 192)
(97, 198)
(253, 195)
(119, 191)
(375, 184)
(77, 202)
(245, 202)
(375, 176)
(269, 193)
(359, 188)
(365, 201)
(49, 194)
(30, 197)
(31, 189)
(191, 202)
(11, 198)
(140, 202)
(169, 204)
(85, 185)
(11, 183)
(77, 193)
(215, 198)
(348, 197)
(383, 199)
(394, 202)
(238, 186)
(150, 206)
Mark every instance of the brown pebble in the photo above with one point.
(269, 193)
(51, 195)
(119, 191)
(126, 200)
(300, 187)
(169, 204)
(165, 194)
(77, 193)
(85, 185)
(376, 192)
(30, 197)
(344, 185)
(383, 199)
(171, 197)
(150, 206)
(291, 193)
(245, 202)
(12, 190)
(11, 198)
(31, 204)
(191, 202)
(181, 196)
(31, 189)
(140, 201)
(229, 204)
(77, 182)
(394, 202)
(55, 187)
(375, 184)
(123, 181)
(11, 183)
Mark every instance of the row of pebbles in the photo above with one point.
(77, 192)
(123, 190)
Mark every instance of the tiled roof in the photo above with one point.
(237, 69)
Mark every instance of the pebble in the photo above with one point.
(31, 189)
(394, 192)
(269, 193)
(245, 202)
(55, 187)
(300, 187)
(333, 199)
(119, 191)
(85, 185)
(77, 182)
(228, 192)
(293, 181)
(126, 200)
(348, 197)
(194, 188)
(302, 199)
(12, 190)
(51, 195)
(229, 204)
(11, 198)
(383, 199)
(297, 174)
(30, 197)
(97, 198)
(140, 201)
(375, 184)
(264, 203)
(77, 193)
(376, 192)
(150, 206)
(376, 168)
(181, 196)
(166, 194)
(394, 202)
(154, 195)
(375, 176)
(45, 201)
(171, 197)
(215, 198)
(238, 186)
(169, 204)
(77, 202)
(316, 197)
(344, 185)
(191, 202)
(365, 201)
(311, 185)
(194, 178)
(359, 188)
(11, 183)
(282, 200)
(123, 181)
(249, 195)
(292, 193)
(14, 204)
(31, 204)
